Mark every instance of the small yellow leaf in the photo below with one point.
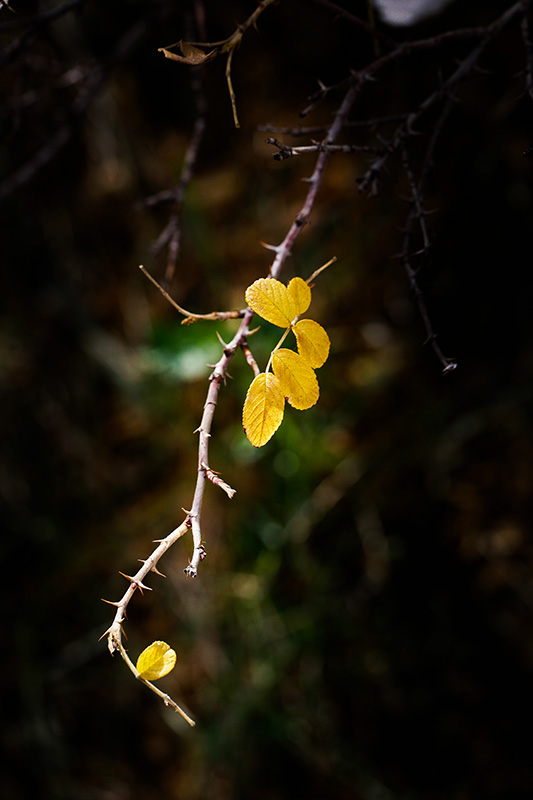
(263, 409)
(157, 660)
(313, 342)
(272, 301)
(301, 294)
(296, 378)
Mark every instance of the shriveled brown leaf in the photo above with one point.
(191, 54)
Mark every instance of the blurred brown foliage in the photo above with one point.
(361, 627)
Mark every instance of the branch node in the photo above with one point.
(190, 571)
(136, 583)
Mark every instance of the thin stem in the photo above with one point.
(285, 334)
(190, 316)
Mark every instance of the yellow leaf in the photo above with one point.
(297, 379)
(301, 294)
(271, 300)
(263, 409)
(157, 660)
(313, 342)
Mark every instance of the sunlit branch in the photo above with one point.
(136, 582)
(215, 381)
(250, 358)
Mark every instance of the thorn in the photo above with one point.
(198, 430)
(222, 342)
(251, 333)
(449, 368)
(153, 568)
(273, 247)
(138, 584)
(110, 603)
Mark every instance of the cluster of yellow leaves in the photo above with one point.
(293, 375)
(156, 661)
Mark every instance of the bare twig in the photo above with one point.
(315, 181)
(418, 215)
(250, 358)
(214, 478)
(317, 272)
(215, 381)
(190, 316)
(408, 126)
(284, 151)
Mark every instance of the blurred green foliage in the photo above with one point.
(361, 626)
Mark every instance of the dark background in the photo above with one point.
(362, 626)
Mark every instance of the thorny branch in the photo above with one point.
(114, 632)
(418, 215)
(405, 130)
(217, 377)
(326, 148)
